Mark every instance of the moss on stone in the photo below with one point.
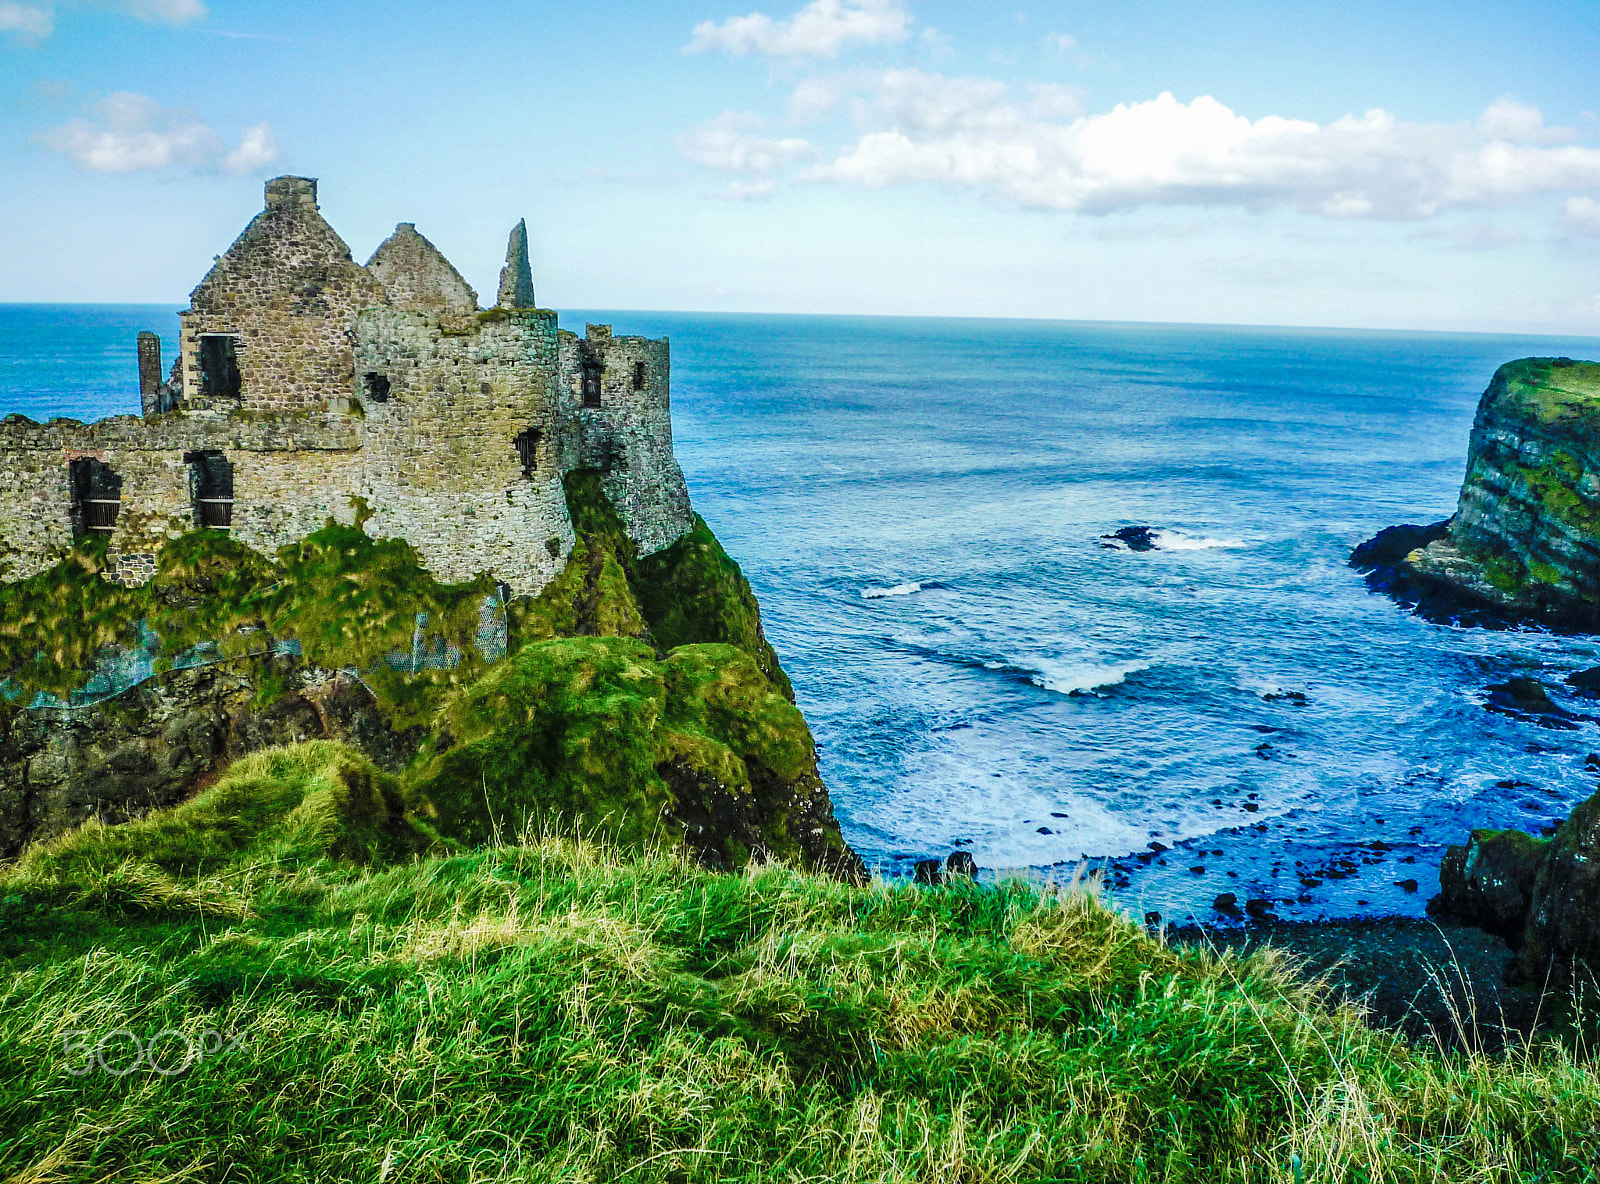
(349, 600)
(1554, 388)
(564, 733)
(577, 733)
(693, 592)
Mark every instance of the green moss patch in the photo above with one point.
(582, 733)
(687, 594)
(348, 599)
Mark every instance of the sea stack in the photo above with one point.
(1524, 542)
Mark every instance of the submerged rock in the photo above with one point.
(1586, 683)
(1526, 698)
(1524, 542)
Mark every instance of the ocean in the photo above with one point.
(920, 506)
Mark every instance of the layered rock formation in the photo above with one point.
(1524, 543)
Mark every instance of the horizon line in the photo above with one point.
(1121, 322)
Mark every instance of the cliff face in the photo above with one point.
(1524, 543)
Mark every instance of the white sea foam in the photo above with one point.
(1077, 678)
(897, 590)
(1176, 540)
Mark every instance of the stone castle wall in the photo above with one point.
(388, 385)
(286, 291)
(290, 473)
(628, 436)
(442, 461)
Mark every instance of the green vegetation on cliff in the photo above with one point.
(599, 734)
(348, 599)
(1555, 388)
(546, 1010)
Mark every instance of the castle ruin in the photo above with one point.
(308, 386)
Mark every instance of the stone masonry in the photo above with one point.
(308, 385)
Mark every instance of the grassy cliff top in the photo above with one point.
(550, 1009)
(1553, 388)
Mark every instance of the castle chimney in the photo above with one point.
(149, 372)
(283, 191)
(516, 277)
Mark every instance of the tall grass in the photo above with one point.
(554, 1009)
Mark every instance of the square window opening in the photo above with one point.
(219, 366)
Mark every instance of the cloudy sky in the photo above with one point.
(1426, 165)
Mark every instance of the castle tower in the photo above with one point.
(516, 277)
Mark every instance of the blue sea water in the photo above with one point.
(920, 504)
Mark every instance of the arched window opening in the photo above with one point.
(528, 450)
(96, 495)
(639, 376)
(377, 386)
(219, 365)
(211, 488)
(591, 384)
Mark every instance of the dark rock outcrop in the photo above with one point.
(1524, 542)
(1562, 935)
(1489, 882)
(1134, 538)
(155, 743)
(1541, 895)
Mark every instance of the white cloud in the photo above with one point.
(732, 143)
(1507, 119)
(130, 133)
(750, 190)
(1061, 42)
(256, 149)
(819, 30)
(1582, 215)
(26, 23)
(970, 132)
(32, 23)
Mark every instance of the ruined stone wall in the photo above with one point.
(442, 464)
(417, 276)
(628, 437)
(290, 473)
(289, 290)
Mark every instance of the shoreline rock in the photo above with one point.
(1541, 895)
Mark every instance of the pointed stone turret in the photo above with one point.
(516, 277)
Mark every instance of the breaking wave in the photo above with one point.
(1079, 678)
(1176, 540)
(897, 590)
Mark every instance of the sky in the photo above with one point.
(1375, 165)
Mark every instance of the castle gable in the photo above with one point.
(268, 329)
(287, 259)
(417, 276)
